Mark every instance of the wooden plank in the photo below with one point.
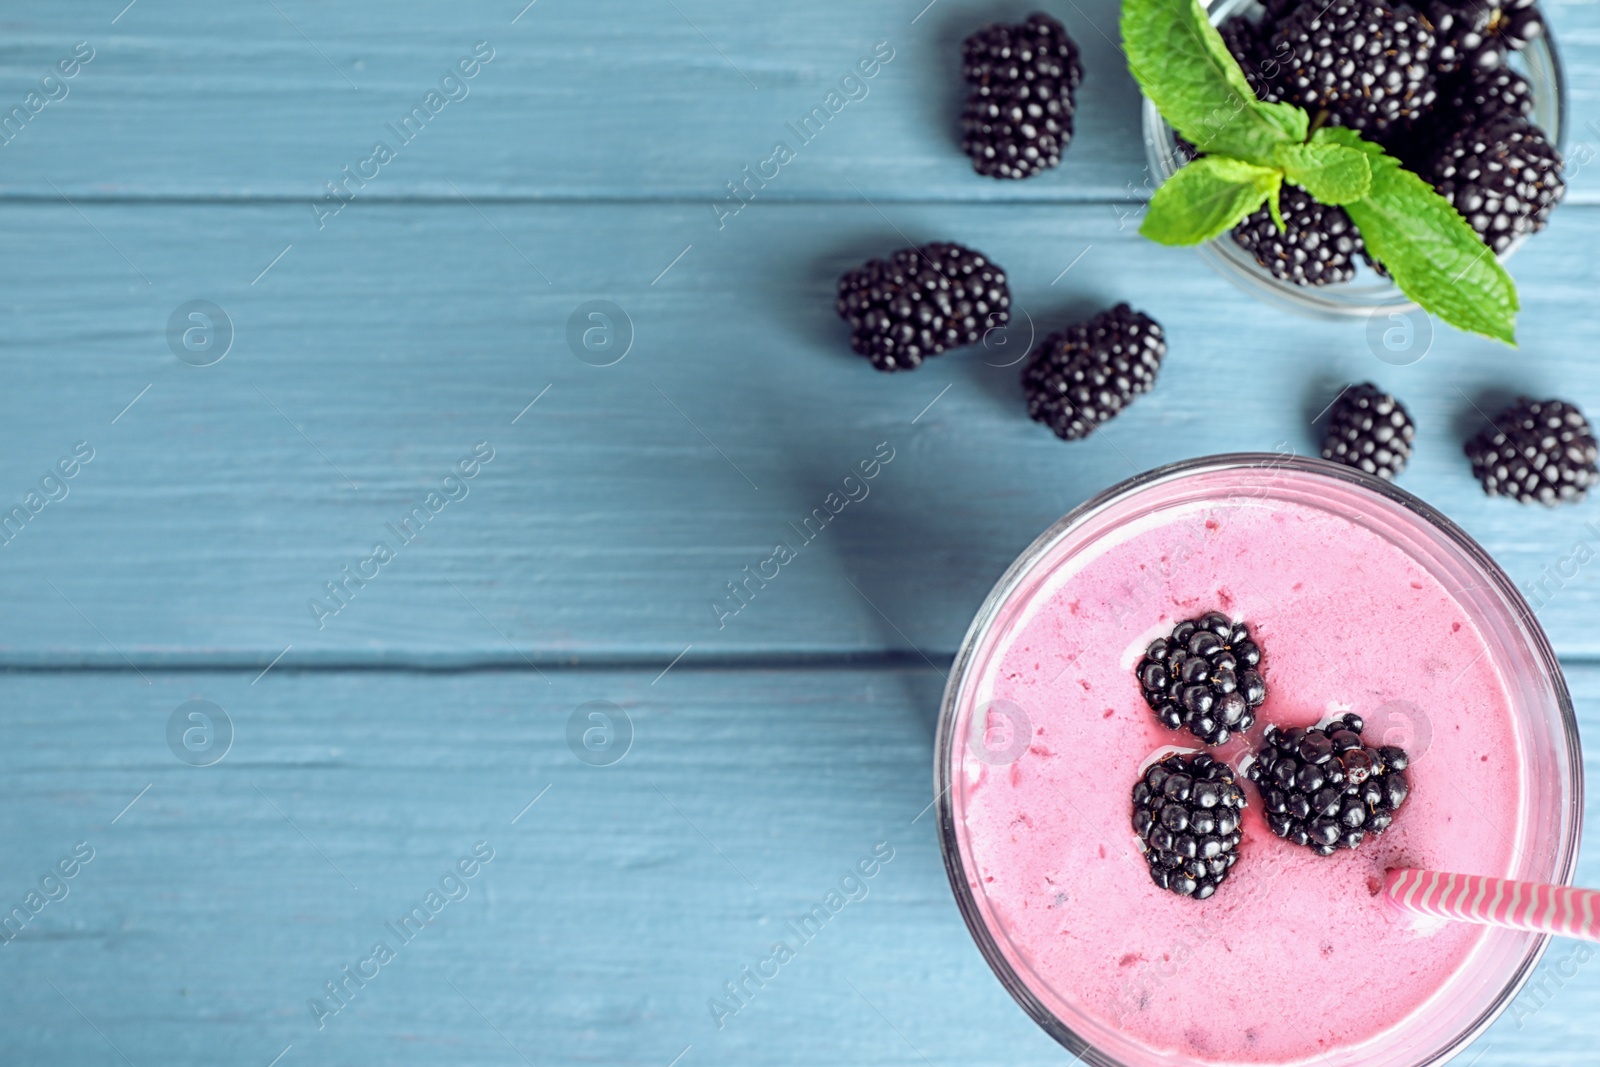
(605, 98)
(619, 506)
(217, 904)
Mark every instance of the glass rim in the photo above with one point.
(1023, 566)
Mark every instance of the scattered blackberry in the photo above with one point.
(1205, 675)
(1369, 430)
(1081, 377)
(1505, 178)
(1322, 788)
(1318, 246)
(920, 302)
(1018, 116)
(1538, 451)
(1368, 63)
(1186, 814)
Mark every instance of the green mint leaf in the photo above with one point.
(1427, 247)
(1347, 137)
(1193, 12)
(1276, 211)
(1329, 171)
(1292, 121)
(1206, 199)
(1180, 62)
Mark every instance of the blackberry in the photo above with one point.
(1484, 96)
(1318, 246)
(1369, 430)
(1517, 23)
(1538, 451)
(1467, 99)
(1278, 10)
(1465, 41)
(1321, 787)
(1490, 28)
(1205, 675)
(1414, 144)
(920, 302)
(1081, 377)
(1367, 63)
(1018, 116)
(1505, 178)
(1248, 42)
(1186, 815)
(1243, 40)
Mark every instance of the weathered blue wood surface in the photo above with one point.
(371, 353)
(217, 905)
(617, 508)
(615, 99)
(379, 347)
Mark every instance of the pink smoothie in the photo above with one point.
(1295, 956)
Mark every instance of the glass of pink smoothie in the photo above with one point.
(1363, 599)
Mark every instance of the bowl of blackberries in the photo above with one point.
(1467, 94)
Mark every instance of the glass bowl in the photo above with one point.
(1548, 756)
(1368, 291)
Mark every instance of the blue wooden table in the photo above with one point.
(388, 599)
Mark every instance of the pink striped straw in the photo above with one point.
(1543, 909)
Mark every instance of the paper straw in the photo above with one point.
(1544, 909)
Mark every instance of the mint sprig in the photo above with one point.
(1429, 250)
(1181, 63)
(1207, 198)
(1250, 148)
(1331, 172)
